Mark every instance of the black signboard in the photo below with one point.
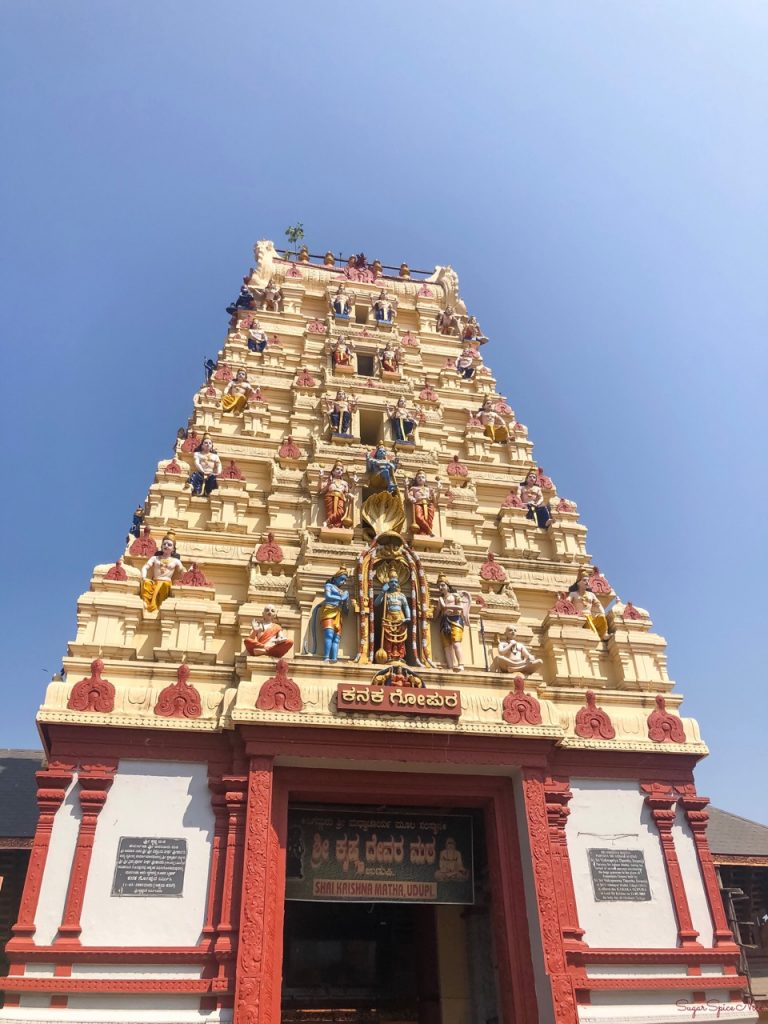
(149, 866)
(356, 854)
(619, 875)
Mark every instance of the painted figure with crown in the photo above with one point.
(328, 616)
(203, 479)
(395, 621)
(159, 573)
(382, 468)
(337, 491)
(236, 393)
(453, 608)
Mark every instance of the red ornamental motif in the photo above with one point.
(143, 545)
(316, 327)
(409, 340)
(173, 467)
(247, 321)
(456, 468)
(289, 449)
(232, 472)
(663, 727)
(279, 693)
(519, 707)
(363, 274)
(513, 500)
(273, 342)
(426, 291)
(210, 391)
(567, 506)
(545, 482)
(449, 364)
(256, 395)
(270, 551)
(370, 383)
(193, 439)
(365, 333)
(223, 373)
(630, 612)
(598, 584)
(491, 570)
(503, 408)
(592, 723)
(563, 606)
(94, 693)
(117, 572)
(293, 271)
(428, 394)
(180, 699)
(194, 577)
(304, 379)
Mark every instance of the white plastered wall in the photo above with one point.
(612, 814)
(150, 798)
(53, 890)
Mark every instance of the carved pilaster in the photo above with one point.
(557, 794)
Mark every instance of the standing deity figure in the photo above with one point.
(395, 620)
(207, 468)
(341, 302)
(340, 411)
(465, 363)
(424, 500)
(257, 337)
(453, 609)
(494, 425)
(337, 495)
(245, 300)
(380, 465)
(513, 656)
(328, 614)
(447, 321)
(341, 352)
(383, 308)
(266, 636)
(402, 422)
(531, 495)
(588, 604)
(271, 297)
(471, 332)
(159, 573)
(236, 393)
(389, 358)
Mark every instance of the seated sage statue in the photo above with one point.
(513, 656)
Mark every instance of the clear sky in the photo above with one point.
(596, 172)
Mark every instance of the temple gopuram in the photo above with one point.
(354, 729)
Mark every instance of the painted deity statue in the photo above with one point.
(159, 573)
(448, 322)
(257, 337)
(271, 297)
(236, 393)
(266, 636)
(384, 308)
(245, 300)
(424, 500)
(588, 604)
(466, 363)
(395, 620)
(342, 350)
(531, 496)
(389, 358)
(471, 332)
(494, 425)
(380, 465)
(453, 609)
(513, 656)
(402, 422)
(340, 411)
(342, 302)
(203, 479)
(328, 614)
(337, 494)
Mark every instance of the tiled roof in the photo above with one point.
(18, 805)
(729, 834)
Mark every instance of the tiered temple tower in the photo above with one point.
(384, 618)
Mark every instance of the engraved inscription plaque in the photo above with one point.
(619, 875)
(149, 866)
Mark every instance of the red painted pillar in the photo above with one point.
(216, 874)
(234, 797)
(52, 785)
(697, 817)
(259, 960)
(562, 990)
(557, 794)
(660, 798)
(94, 782)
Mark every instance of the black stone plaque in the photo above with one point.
(619, 875)
(149, 866)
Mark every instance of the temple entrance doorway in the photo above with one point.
(413, 958)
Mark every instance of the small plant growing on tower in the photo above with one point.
(294, 234)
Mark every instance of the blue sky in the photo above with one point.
(595, 172)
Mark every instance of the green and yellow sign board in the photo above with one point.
(358, 854)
